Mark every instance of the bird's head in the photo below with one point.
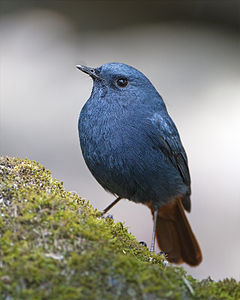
(120, 81)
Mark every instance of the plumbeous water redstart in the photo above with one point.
(133, 149)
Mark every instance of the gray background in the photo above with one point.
(188, 49)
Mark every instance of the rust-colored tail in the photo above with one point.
(174, 235)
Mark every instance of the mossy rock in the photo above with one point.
(54, 245)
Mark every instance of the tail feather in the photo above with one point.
(174, 235)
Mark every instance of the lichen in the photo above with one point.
(55, 245)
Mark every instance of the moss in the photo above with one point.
(54, 245)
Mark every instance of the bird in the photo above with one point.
(133, 149)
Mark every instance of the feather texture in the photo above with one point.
(174, 235)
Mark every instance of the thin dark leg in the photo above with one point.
(155, 214)
(111, 205)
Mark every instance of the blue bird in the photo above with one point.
(133, 149)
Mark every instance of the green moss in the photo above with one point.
(54, 245)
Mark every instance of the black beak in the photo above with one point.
(90, 71)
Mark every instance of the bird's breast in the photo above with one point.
(119, 151)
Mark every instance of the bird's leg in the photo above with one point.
(110, 206)
(155, 214)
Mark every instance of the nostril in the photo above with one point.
(92, 70)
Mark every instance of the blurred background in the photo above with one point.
(188, 49)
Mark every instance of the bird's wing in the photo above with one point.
(170, 144)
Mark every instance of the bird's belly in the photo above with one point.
(127, 165)
(107, 163)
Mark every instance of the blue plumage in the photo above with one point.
(133, 149)
(128, 140)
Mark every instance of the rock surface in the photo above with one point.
(54, 245)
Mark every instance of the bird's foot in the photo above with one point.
(165, 262)
(108, 216)
(142, 243)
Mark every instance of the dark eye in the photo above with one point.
(122, 82)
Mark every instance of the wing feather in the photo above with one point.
(170, 144)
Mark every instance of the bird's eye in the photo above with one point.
(122, 82)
